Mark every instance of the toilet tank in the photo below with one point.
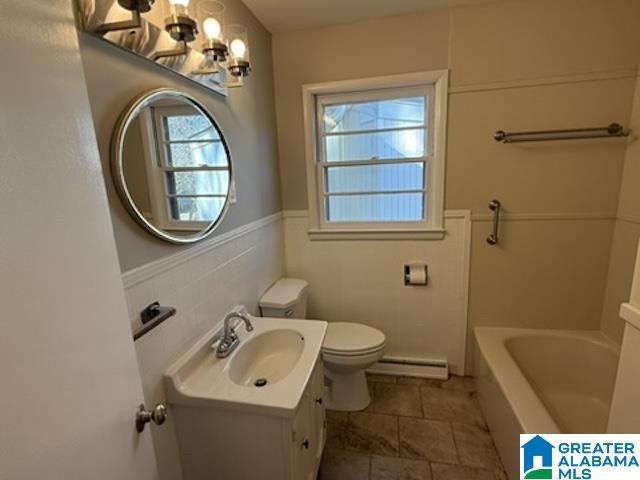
(286, 298)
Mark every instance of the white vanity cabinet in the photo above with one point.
(232, 444)
(309, 429)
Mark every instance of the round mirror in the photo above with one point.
(171, 166)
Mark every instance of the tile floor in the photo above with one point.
(414, 429)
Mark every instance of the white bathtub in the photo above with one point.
(542, 381)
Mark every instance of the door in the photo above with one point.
(69, 380)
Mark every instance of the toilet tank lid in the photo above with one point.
(285, 293)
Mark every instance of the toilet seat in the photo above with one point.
(352, 339)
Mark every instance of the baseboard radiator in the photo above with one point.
(411, 367)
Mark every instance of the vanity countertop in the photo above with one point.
(199, 378)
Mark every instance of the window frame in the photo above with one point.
(158, 167)
(434, 84)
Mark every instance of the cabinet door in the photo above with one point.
(318, 417)
(303, 446)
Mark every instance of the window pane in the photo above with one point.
(196, 209)
(189, 127)
(375, 178)
(399, 112)
(365, 146)
(197, 154)
(402, 207)
(198, 183)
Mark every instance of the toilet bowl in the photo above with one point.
(348, 348)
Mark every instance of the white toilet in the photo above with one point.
(348, 348)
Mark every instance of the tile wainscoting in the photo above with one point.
(207, 280)
(202, 283)
(363, 281)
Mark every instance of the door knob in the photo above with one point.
(157, 415)
(305, 444)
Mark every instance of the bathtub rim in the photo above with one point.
(525, 403)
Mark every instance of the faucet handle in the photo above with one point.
(245, 316)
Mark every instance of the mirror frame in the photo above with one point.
(117, 163)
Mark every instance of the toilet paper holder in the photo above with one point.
(420, 275)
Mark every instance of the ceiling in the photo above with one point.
(282, 15)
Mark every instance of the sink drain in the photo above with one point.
(261, 382)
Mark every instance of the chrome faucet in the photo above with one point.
(229, 340)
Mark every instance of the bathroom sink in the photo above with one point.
(266, 358)
(268, 372)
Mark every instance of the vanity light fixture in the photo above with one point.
(142, 6)
(180, 26)
(136, 7)
(178, 23)
(220, 62)
(211, 18)
(239, 64)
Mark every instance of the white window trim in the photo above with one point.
(433, 227)
(156, 178)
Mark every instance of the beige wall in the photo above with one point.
(626, 234)
(360, 50)
(514, 65)
(246, 116)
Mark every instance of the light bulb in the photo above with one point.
(238, 48)
(211, 28)
(179, 7)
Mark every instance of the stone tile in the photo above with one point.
(344, 465)
(337, 425)
(420, 382)
(373, 433)
(395, 399)
(478, 409)
(441, 471)
(427, 439)
(372, 393)
(500, 474)
(451, 406)
(389, 468)
(376, 378)
(475, 447)
(465, 384)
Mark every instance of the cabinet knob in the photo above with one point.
(319, 400)
(157, 415)
(305, 444)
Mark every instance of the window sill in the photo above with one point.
(361, 234)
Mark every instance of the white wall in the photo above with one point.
(363, 281)
(626, 232)
(70, 383)
(514, 65)
(203, 283)
(624, 416)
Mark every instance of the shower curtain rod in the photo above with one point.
(613, 130)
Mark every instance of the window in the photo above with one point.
(375, 156)
(190, 175)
